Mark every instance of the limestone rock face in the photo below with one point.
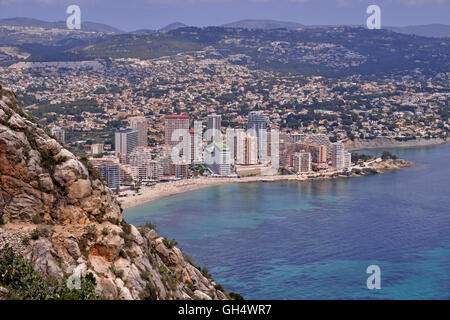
(77, 221)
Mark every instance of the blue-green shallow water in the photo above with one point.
(314, 240)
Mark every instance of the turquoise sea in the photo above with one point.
(314, 240)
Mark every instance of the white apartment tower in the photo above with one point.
(126, 140)
(337, 156)
(214, 123)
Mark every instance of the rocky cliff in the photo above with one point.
(58, 214)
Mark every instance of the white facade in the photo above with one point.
(348, 160)
(218, 159)
(341, 159)
(126, 141)
(97, 148)
(251, 150)
(302, 162)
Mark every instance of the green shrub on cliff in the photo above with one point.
(18, 276)
(235, 296)
(170, 243)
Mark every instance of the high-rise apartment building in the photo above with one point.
(347, 159)
(172, 123)
(140, 156)
(338, 156)
(251, 150)
(179, 170)
(237, 144)
(150, 170)
(257, 125)
(109, 171)
(321, 139)
(126, 140)
(195, 147)
(214, 123)
(140, 124)
(302, 162)
(165, 165)
(318, 152)
(218, 158)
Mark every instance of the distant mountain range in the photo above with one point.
(431, 30)
(263, 24)
(173, 26)
(30, 22)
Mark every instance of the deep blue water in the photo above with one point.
(314, 240)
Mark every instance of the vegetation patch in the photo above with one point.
(116, 273)
(235, 296)
(170, 243)
(18, 276)
(90, 232)
(150, 293)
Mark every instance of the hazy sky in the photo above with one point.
(151, 14)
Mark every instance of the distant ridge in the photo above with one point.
(428, 30)
(263, 24)
(30, 22)
(174, 26)
(143, 31)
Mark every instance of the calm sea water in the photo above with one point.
(314, 240)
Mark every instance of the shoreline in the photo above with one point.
(164, 190)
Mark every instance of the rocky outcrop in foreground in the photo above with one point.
(58, 214)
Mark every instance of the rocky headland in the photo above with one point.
(391, 143)
(60, 216)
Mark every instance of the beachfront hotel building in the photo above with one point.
(165, 165)
(347, 159)
(109, 171)
(214, 122)
(302, 162)
(141, 156)
(218, 159)
(338, 155)
(318, 152)
(340, 158)
(179, 170)
(237, 143)
(140, 124)
(251, 150)
(151, 170)
(245, 148)
(257, 125)
(321, 139)
(126, 140)
(195, 147)
(172, 123)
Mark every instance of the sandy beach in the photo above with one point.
(166, 189)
